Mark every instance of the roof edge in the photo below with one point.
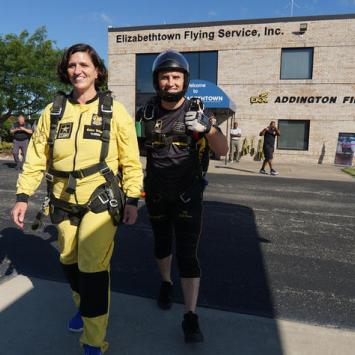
(234, 22)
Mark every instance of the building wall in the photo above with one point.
(249, 65)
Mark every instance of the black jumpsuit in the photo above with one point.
(174, 189)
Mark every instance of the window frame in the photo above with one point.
(308, 122)
(290, 49)
(192, 52)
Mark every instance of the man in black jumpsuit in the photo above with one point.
(269, 134)
(173, 182)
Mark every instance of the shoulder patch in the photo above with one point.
(64, 131)
(96, 120)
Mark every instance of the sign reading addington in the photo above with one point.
(313, 100)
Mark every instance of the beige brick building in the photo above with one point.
(299, 72)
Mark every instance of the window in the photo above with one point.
(203, 65)
(294, 134)
(144, 73)
(296, 63)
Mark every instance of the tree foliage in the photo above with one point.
(28, 79)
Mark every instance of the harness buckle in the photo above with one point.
(56, 111)
(148, 116)
(45, 203)
(105, 170)
(106, 111)
(103, 199)
(113, 203)
(185, 199)
(77, 174)
(49, 177)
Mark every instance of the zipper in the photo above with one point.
(76, 150)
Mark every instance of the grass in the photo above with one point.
(350, 171)
(5, 148)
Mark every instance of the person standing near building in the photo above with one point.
(87, 139)
(173, 184)
(235, 139)
(269, 133)
(22, 131)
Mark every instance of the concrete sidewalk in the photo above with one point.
(295, 170)
(246, 166)
(34, 312)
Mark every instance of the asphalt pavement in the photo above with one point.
(278, 263)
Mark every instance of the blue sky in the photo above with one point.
(70, 22)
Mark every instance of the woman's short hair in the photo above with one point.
(97, 61)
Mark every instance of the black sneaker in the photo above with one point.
(263, 171)
(165, 297)
(191, 328)
(274, 172)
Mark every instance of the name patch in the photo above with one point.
(92, 132)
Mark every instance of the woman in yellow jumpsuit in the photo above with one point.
(86, 241)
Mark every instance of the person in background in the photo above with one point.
(235, 135)
(22, 131)
(269, 133)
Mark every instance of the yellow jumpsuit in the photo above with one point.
(86, 249)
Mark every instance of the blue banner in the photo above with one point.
(211, 95)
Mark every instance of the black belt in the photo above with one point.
(77, 174)
(167, 139)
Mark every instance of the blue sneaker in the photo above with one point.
(76, 324)
(91, 350)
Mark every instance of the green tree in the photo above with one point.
(5, 134)
(28, 79)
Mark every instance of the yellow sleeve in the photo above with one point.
(128, 152)
(36, 157)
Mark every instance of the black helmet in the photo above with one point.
(170, 60)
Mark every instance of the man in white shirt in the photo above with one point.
(235, 151)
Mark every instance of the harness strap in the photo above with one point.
(77, 174)
(67, 206)
(57, 112)
(105, 111)
(156, 139)
(117, 197)
(114, 192)
(170, 138)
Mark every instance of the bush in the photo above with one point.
(5, 129)
(6, 147)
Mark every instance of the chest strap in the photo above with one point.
(171, 138)
(76, 174)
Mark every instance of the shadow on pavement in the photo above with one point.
(233, 273)
(236, 169)
(10, 164)
(30, 254)
(233, 279)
